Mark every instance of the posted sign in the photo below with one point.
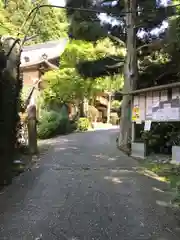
(135, 114)
(147, 125)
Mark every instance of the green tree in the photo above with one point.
(66, 84)
(139, 50)
(48, 23)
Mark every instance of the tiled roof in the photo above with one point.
(49, 44)
(32, 55)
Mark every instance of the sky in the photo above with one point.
(58, 2)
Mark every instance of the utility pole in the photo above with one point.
(130, 74)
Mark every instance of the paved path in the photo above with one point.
(84, 188)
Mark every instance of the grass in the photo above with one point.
(170, 173)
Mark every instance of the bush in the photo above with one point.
(73, 126)
(83, 124)
(53, 123)
(48, 125)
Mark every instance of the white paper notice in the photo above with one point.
(167, 105)
(173, 113)
(149, 105)
(155, 98)
(136, 101)
(147, 125)
(163, 95)
(166, 114)
(175, 93)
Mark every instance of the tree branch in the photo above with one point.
(117, 40)
(119, 64)
(154, 45)
(164, 74)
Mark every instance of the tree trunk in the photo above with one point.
(81, 108)
(32, 129)
(109, 108)
(130, 74)
(9, 105)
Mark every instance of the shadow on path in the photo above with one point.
(84, 188)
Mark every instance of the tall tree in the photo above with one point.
(66, 84)
(84, 25)
(130, 72)
(135, 29)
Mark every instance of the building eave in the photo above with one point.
(35, 53)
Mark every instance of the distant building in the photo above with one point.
(39, 58)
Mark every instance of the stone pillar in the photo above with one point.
(32, 129)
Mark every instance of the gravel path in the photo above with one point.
(83, 188)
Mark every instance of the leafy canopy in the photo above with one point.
(67, 84)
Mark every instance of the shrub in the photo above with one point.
(49, 125)
(65, 126)
(53, 123)
(73, 126)
(83, 124)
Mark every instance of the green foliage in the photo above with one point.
(172, 42)
(6, 27)
(53, 123)
(87, 26)
(83, 124)
(168, 172)
(64, 85)
(67, 85)
(115, 104)
(109, 83)
(158, 61)
(75, 52)
(48, 24)
(48, 125)
(162, 137)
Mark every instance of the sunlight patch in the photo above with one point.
(111, 159)
(152, 175)
(121, 171)
(157, 190)
(163, 203)
(113, 179)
